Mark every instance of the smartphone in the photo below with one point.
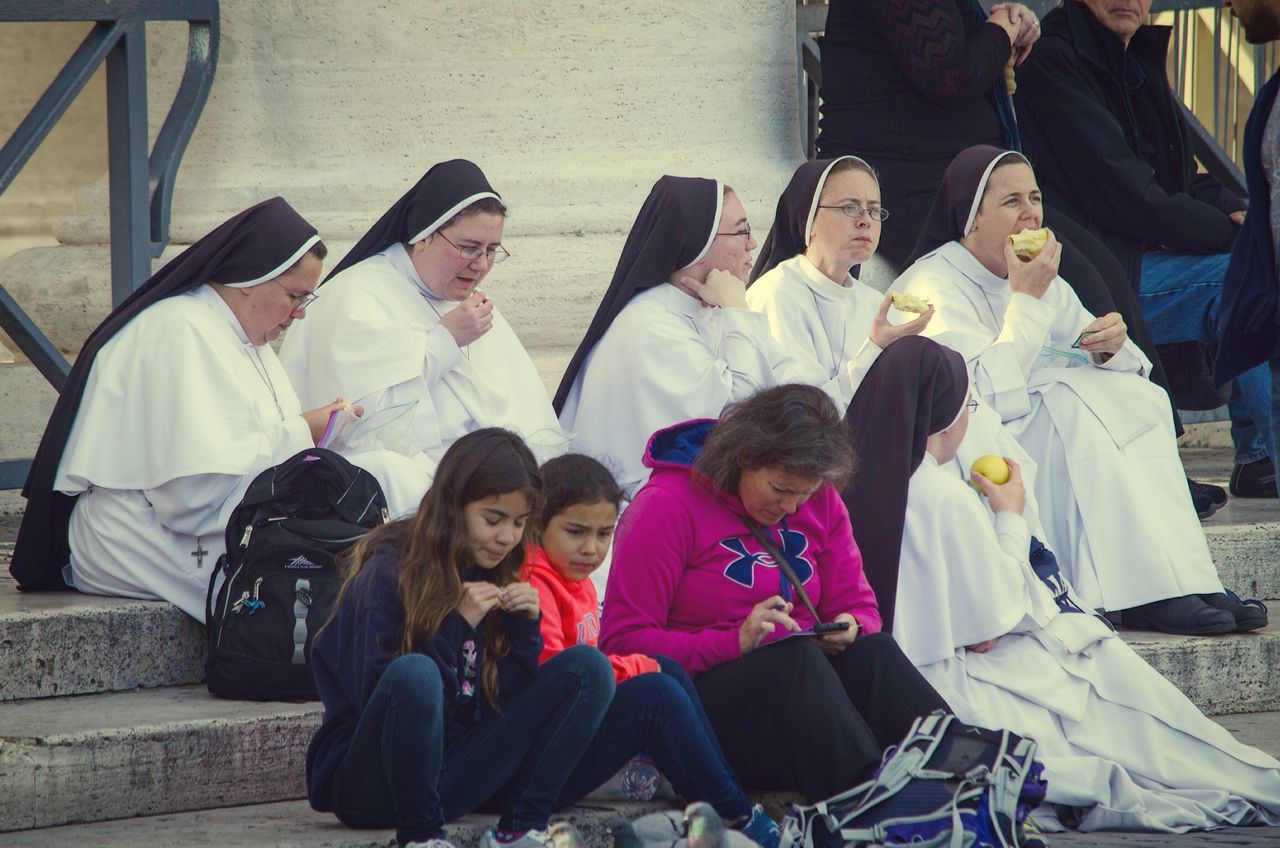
(830, 627)
(1080, 338)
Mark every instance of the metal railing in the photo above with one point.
(1212, 70)
(140, 185)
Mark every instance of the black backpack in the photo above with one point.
(281, 573)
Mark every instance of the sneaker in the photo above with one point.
(527, 839)
(1249, 615)
(1185, 616)
(1254, 480)
(1208, 499)
(439, 842)
(638, 780)
(761, 829)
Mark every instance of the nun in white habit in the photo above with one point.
(402, 324)
(673, 338)
(1073, 389)
(174, 405)
(979, 607)
(828, 223)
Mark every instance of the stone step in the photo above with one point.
(152, 751)
(66, 643)
(158, 751)
(1221, 675)
(296, 825)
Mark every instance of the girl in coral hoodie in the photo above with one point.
(655, 708)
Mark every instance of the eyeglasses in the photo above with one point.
(745, 234)
(854, 211)
(300, 301)
(972, 403)
(496, 254)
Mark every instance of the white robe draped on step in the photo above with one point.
(180, 413)
(374, 337)
(665, 359)
(1116, 738)
(827, 327)
(1112, 493)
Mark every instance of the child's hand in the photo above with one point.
(477, 600)
(521, 599)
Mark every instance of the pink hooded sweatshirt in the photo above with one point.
(687, 571)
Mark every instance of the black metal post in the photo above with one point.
(127, 157)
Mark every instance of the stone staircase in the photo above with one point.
(108, 737)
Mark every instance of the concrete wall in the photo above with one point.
(573, 109)
(75, 152)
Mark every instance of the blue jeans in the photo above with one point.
(661, 715)
(399, 772)
(1179, 299)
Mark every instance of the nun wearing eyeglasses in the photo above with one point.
(828, 222)
(673, 338)
(175, 403)
(978, 605)
(1074, 390)
(402, 324)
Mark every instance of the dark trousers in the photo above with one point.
(791, 717)
(661, 715)
(398, 772)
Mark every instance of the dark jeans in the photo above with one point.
(661, 715)
(790, 717)
(399, 773)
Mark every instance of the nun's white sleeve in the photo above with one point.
(200, 504)
(747, 354)
(194, 505)
(999, 364)
(1129, 359)
(791, 327)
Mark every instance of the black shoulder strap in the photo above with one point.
(784, 564)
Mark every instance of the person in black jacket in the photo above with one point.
(1112, 149)
(1249, 321)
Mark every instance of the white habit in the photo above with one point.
(179, 415)
(374, 337)
(1113, 496)
(665, 359)
(827, 326)
(1116, 738)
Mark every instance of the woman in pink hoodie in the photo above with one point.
(693, 578)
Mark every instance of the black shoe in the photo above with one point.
(1185, 616)
(1255, 480)
(1207, 498)
(1249, 615)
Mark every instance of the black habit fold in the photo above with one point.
(444, 190)
(672, 231)
(251, 244)
(789, 237)
(915, 389)
(961, 183)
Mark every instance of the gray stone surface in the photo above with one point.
(1227, 674)
(83, 759)
(66, 643)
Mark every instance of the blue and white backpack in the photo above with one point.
(947, 785)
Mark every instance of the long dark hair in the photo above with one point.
(794, 427)
(433, 543)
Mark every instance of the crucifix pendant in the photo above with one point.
(199, 553)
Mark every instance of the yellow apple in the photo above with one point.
(992, 467)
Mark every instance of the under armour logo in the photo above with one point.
(742, 570)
